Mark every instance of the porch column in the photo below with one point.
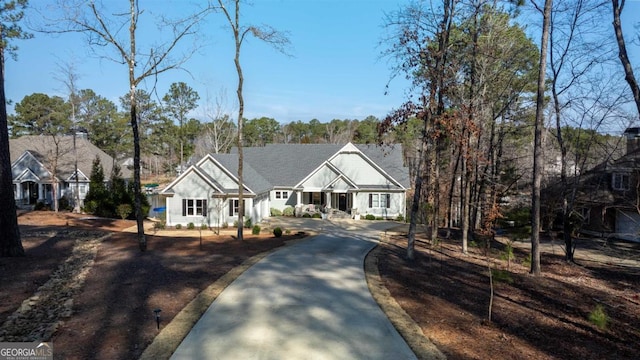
(328, 197)
(298, 197)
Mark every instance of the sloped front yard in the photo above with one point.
(447, 294)
(111, 315)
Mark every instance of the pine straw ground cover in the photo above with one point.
(111, 314)
(547, 317)
(445, 292)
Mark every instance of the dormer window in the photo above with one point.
(620, 181)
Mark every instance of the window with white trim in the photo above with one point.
(380, 201)
(234, 207)
(620, 181)
(194, 207)
(282, 194)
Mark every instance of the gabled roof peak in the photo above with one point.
(349, 148)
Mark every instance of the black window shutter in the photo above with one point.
(184, 207)
(230, 207)
(204, 207)
(370, 200)
(388, 201)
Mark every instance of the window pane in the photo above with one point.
(190, 207)
(285, 194)
(375, 201)
(383, 200)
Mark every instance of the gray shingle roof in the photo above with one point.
(287, 164)
(251, 177)
(43, 148)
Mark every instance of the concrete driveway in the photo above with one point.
(309, 300)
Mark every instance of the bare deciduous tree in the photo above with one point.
(618, 6)
(280, 42)
(102, 28)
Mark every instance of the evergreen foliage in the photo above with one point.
(112, 200)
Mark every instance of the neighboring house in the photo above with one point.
(34, 157)
(332, 179)
(607, 195)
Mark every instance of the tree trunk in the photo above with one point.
(142, 240)
(622, 54)
(10, 242)
(236, 33)
(537, 148)
(415, 204)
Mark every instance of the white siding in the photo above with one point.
(320, 179)
(192, 186)
(397, 205)
(358, 170)
(213, 170)
(281, 203)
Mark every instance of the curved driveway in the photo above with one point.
(309, 300)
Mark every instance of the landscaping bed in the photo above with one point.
(548, 317)
(112, 314)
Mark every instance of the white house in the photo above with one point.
(39, 161)
(349, 179)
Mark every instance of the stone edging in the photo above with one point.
(170, 337)
(40, 315)
(408, 329)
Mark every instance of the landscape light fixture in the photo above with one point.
(157, 313)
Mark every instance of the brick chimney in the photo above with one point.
(633, 139)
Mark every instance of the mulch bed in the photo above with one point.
(447, 293)
(113, 313)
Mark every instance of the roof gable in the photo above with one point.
(28, 161)
(27, 175)
(44, 148)
(215, 170)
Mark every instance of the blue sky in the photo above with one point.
(335, 70)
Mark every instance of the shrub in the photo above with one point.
(178, 226)
(288, 211)
(286, 231)
(526, 262)
(160, 225)
(64, 204)
(235, 224)
(204, 226)
(598, 317)
(316, 216)
(306, 215)
(40, 206)
(124, 210)
(248, 223)
(255, 230)
(277, 232)
(502, 275)
(225, 225)
(400, 218)
(191, 226)
(379, 218)
(370, 217)
(276, 212)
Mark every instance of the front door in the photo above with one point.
(342, 202)
(29, 192)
